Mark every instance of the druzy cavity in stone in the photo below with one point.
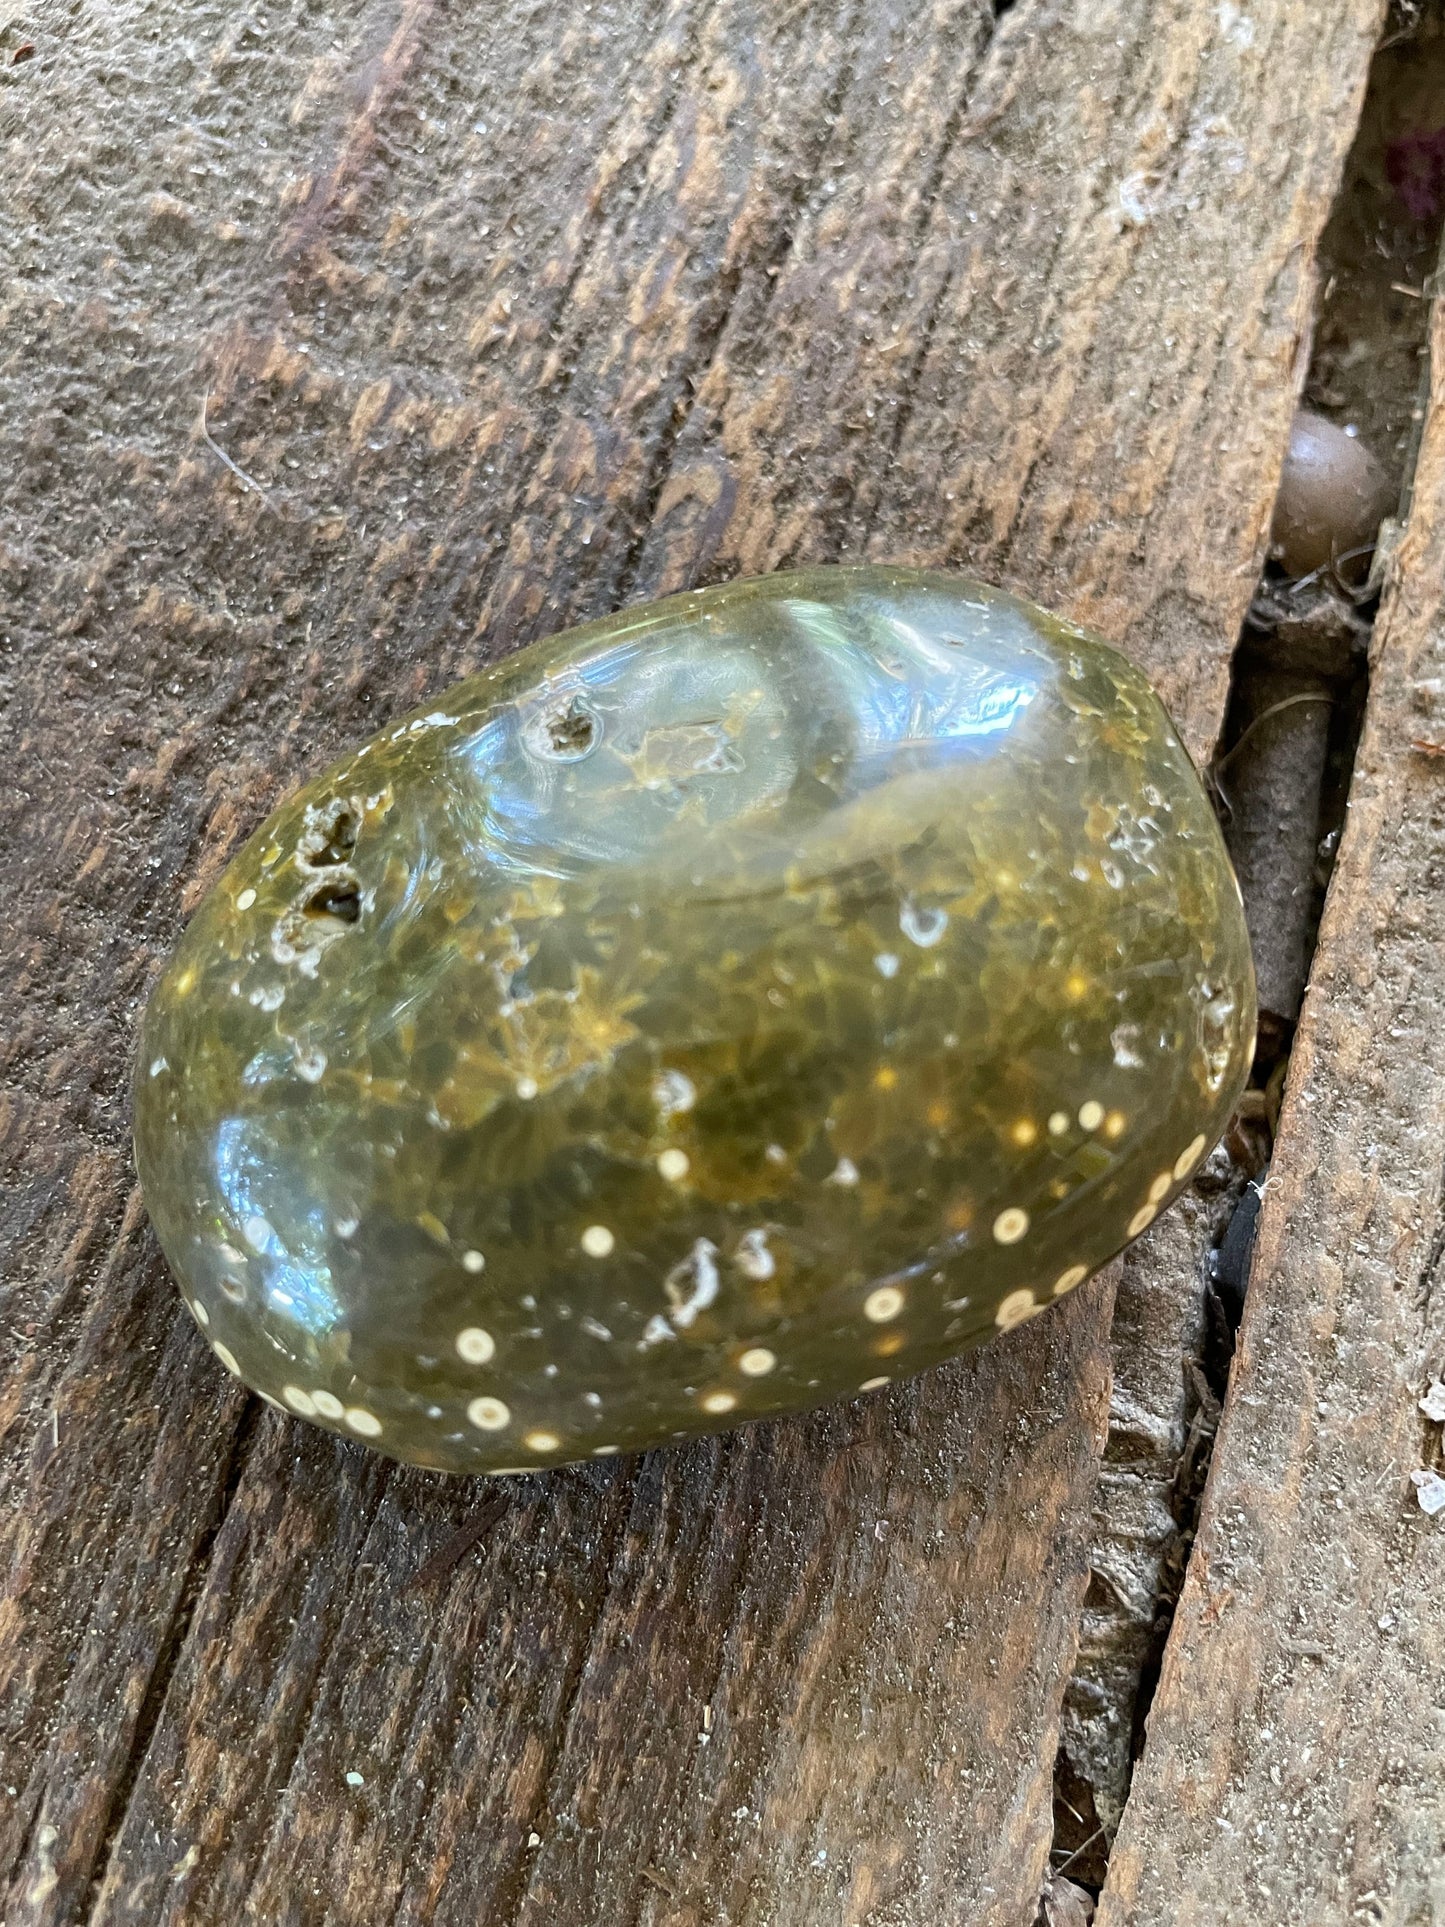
(714, 1011)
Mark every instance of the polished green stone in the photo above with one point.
(714, 1011)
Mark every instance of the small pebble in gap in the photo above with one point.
(1332, 497)
(353, 1778)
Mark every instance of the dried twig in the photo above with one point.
(1212, 773)
(1097, 1834)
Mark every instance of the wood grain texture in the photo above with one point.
(507, 318)
(1295, 1764)
(1159, 1323)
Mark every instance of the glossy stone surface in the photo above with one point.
(711, 1012)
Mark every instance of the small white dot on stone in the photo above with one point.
(874, 1384)
(475, 1345)
(362, 1421)
(673, 1165)
(775, 1154)
(354, 1779)
(884, 1303)
(752, 1257)
(1009, 1226)
(473, 1261)
(299, 1400)
(488, 1414)
(718, 1402)
(923, 927)
(1160, 1187)
(201, 1315)
(327, 1404)
(347, 1227)
(158, 1065)
(245, 900)
(673, 1091)
(226, 1356)
(1188, 1158)
(597, 1241)
(845, 1172)
(1142, 1219)
(541, 1441)
(1091, 1115)
(1018, 1306)
(1058, 1123)
(886, 964)
(1066, 1280)
(526, 1088)
(257, 1233)
(757, 1362)
(604, 1451)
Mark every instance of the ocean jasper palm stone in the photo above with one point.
(714, 1011)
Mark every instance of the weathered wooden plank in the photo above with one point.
(509, 322)
(1062, 346)
(1295, 1764)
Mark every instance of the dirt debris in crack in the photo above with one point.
(1281, 775)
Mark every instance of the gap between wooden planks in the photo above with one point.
(1294, 1769)
(514, 319)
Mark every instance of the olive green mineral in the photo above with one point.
(714, 1011)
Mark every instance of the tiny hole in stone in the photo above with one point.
(336, 840)
(339, 900)
(572, 733)
(564, 734)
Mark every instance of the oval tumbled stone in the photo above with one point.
(714, 1011)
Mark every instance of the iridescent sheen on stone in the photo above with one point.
(714, 1011)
